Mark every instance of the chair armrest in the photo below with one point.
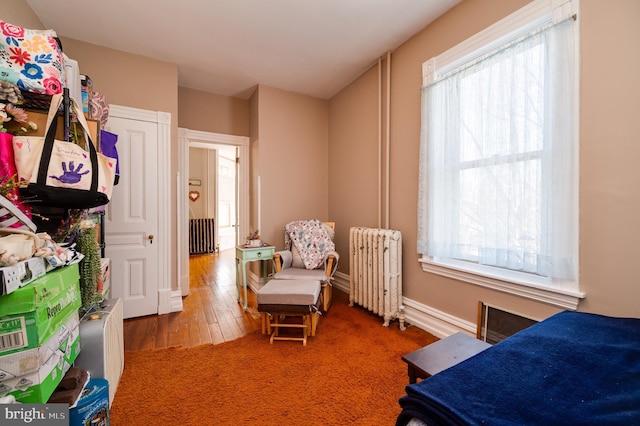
(282, 260)
(331, 263)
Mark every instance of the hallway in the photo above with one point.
(210, 313)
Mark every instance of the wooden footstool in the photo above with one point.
(289, 298)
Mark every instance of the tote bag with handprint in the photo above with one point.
(55, 173)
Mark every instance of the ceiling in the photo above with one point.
(227, 47)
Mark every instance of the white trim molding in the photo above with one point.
(342, 282)
(566, 299)
(436, 322)
(197, 138)
(176, 301)
(182, 209)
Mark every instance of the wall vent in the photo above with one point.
(496, 324)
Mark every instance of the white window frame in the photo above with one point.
(520, 22)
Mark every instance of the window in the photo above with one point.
(499, 157)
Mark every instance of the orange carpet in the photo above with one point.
(351, 372)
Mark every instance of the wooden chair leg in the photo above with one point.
(315, 317)
(266, 318)
(327, 291)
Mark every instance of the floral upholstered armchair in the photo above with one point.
(309, 254)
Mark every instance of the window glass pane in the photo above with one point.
(499, 214)
(502, 105)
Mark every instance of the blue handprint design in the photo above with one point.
(72, 175)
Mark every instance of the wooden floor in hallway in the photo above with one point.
(211, 313)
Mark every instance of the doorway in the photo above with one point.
(213, 193)
(236, 164)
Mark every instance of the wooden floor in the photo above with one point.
(211, 313)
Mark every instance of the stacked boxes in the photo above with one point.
(31, 376)
(39, 335)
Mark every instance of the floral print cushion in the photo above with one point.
(311, 239)
(31, 59)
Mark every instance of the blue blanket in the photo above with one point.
(572, 368)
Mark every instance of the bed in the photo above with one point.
(572, 368)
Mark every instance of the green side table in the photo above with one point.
(246, 254)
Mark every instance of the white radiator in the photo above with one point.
(201, 236)
(376, 272)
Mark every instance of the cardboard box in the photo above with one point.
(40, 118)
(22, 273)
(26, 362)
(36, 387)
(32, 314)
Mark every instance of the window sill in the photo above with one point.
(562, 298)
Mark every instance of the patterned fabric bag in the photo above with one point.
(31, 59)
(63, 174)
(99, 108)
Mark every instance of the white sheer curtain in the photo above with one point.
(498, 156)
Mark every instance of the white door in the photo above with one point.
(226, 196)
(131, 221)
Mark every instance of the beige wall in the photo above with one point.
(129, 80)
(18, 12)
(353, 160)
(291, 157)
(210, 112)
(609, 172)
(199, 169)
(610, 200)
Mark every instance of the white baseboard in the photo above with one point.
(434, 321)
(165, 301)
(341, 282)
(176, 301)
